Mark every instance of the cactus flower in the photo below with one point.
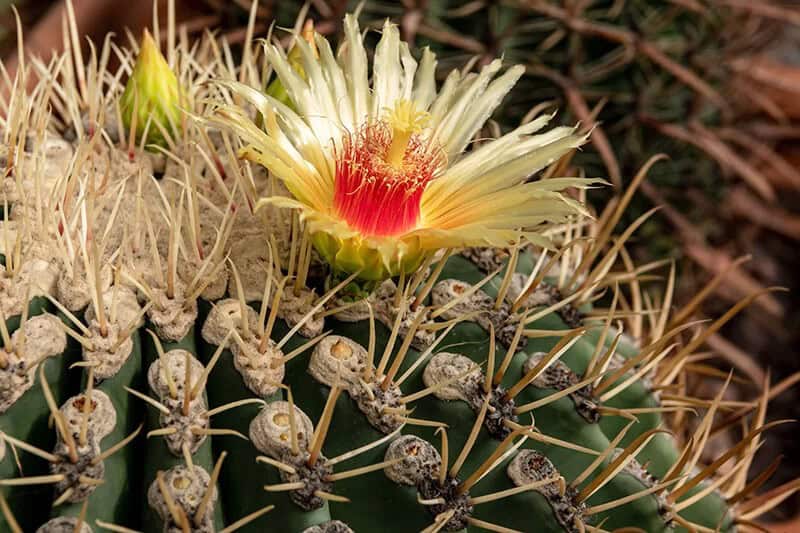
(152, 94)
(383, 173)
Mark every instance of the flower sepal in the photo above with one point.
(375, 260)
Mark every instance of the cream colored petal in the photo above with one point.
(444, 193)
(559, 184)
(294, 129)
(336, 82)
(474, 235)
(300, 184)
(387, 71)
(307, 150)
(318, 83)
(315, 219)
(295, 85)
(459, 109)
(441, 102)
(354, 63)
(305, 141)
(494, 153)
(248, 133)
(299, 174)
(409, 71)
(480, 108)
(315, 112)
(534, 142)
(521, 168)
(515, 204)
(425, 81)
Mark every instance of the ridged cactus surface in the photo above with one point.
(451, 345)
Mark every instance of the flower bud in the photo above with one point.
(152, 94)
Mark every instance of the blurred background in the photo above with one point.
(713, 84)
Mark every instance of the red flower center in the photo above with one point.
(378, 186)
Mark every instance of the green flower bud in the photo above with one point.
(152, 94)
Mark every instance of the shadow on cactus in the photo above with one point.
(354, 313)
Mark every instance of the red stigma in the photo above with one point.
(374, 197)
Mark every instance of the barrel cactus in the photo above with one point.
(299, 300)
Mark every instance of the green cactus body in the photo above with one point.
(167, 452)
(26, 416)
(109, 501)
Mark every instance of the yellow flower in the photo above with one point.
(381, 173)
